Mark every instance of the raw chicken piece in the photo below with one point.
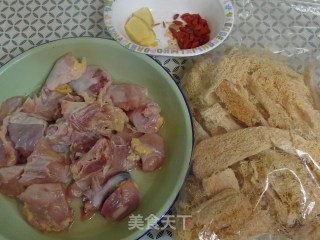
(121, 202)
(149, 148)
(46, 208)
(45, 165)
(60, 132)
(8, 155)
(25, 131)
(107, 188)
(90, 184)
(93, 117)
(9, 106)
(81, 143)
(68, 107)
(80, 186)
(95, 174)
(91, 82)
(95, 167)
(147, 119)
(66, 69)
(93, 161)
(127, 96)
(95, 188)
(46, 105)
(122, 144)
(9, 177)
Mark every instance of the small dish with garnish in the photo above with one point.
(176, 28)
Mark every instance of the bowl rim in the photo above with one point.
(156, 51)
(39, 47)
(192, 147)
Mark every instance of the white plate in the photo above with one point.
(218, 13)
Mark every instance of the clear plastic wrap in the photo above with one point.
(256, 163)
(287, 27)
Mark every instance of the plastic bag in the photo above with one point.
(256, 163)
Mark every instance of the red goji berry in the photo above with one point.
(186, 17)
(182, 29)
(195, 16)
(163, 24)
(177, 22)
(203, 21)
(172, 30)
(186, 45)
(203, 31)
(175, 16)
(197, 33)
(186, 30)
(182, 35)
(195, 44)
(195, 22)
(205, 25)
(180, 43)
(198, 27)
(205, 39)
(194, 33)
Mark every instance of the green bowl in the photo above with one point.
(27, 72)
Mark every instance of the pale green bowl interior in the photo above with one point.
(159, 189)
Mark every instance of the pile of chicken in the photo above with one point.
(78, 137)
(256, 163)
